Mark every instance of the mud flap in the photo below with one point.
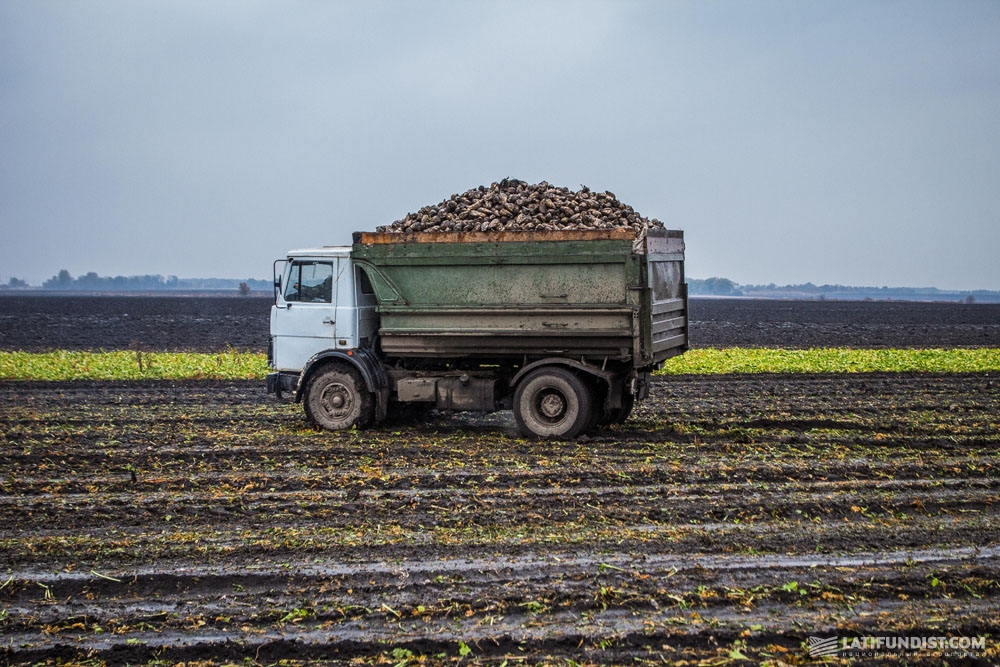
(639, 386)
(278, 383)
(381, 404)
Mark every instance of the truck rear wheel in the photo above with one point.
(336, 398)
(552, 403)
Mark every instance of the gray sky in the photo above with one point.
(826, 141)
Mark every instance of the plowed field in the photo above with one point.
(731, 519)
(38, 322)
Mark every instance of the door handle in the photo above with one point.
(328, 321)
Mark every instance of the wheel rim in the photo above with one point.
(551, 406)
(337, 400)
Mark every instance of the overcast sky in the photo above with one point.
(825, 141)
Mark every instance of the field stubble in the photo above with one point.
(730, 519)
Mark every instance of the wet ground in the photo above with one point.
(730, 520)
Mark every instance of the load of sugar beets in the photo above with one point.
(515, 206)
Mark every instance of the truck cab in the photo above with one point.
(323, 303)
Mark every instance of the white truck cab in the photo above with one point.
(322, 302)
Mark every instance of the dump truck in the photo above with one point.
(562, 327)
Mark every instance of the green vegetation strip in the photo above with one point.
(833, 360)
(232, 365)
(131, 365)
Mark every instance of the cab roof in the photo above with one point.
(325, 251)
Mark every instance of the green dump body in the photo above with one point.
(594, 296)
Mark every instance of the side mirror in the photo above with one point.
(277, 269)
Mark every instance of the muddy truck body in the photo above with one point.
(563, 328)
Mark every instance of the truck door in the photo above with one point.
(304, 318)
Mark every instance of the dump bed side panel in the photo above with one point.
(520, 295)
(516, 295)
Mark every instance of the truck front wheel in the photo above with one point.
(336, 398)
(552, 403)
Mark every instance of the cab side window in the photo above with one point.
(366, 292)
(310, 282)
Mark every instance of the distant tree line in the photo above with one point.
(714, 287)
(726, 287)
(91, 282)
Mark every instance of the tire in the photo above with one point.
(336, 399)
(552, 403)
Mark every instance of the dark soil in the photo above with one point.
(860, 324)
(731, 519)
(35, 323)
(210, 324)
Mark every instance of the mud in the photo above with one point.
(727, 522)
